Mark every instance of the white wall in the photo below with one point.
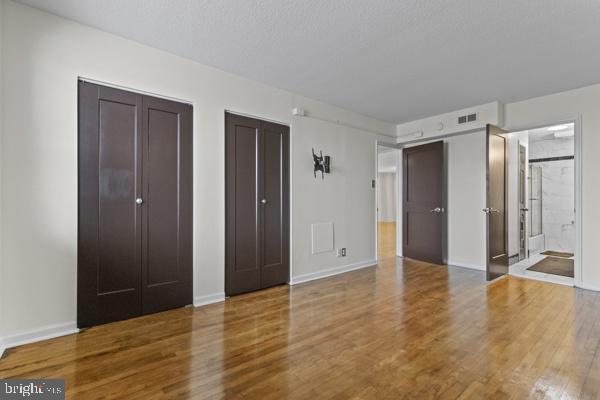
(386, 161)
(44, 55)
(465, 157)
(558, 192)
(386, 197)
(345, 197)
(582, 105)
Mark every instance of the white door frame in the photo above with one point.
(398, 148)
(577, 121)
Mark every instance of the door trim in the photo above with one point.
(577, 120)
(133, 90)
(398, 149)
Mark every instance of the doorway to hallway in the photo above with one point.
(387, 200)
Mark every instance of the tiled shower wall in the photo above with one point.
(558, 192)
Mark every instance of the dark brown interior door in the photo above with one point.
(257, 204)
(497, 233)
(134, 205)
(423, 202)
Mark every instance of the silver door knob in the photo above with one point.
(264, 201)
(490, 210)
(139, 200)
(437, 210)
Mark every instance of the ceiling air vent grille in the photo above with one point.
(463, 119)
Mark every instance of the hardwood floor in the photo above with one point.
(402, 330)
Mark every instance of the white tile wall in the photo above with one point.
(558, 192)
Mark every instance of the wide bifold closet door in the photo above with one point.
(134, 205)
(256, 204)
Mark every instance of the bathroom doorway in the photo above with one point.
(542, 203)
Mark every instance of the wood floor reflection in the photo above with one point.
(399, 330)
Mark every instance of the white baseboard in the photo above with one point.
(331, 271)
(37, 335)
(208, 299)
(541, 278)
(587, 287)
(463, 265)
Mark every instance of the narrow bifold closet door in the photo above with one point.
(256, 204)
(496, 198)
(134, 205)
(423, 202)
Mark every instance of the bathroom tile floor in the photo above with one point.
(520, 269)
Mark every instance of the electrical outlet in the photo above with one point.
(341, 252)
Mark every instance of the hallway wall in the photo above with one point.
(386, 197)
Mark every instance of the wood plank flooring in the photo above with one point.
(401, 330)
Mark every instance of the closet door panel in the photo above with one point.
(109, 228)
(242, 252)
(275, 208)
(167, 205)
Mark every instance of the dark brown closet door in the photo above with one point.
(274, 186)
(109, 253)
(135, 205)
(423, 202)
(242, 230)
(167, 205)
(257, 204)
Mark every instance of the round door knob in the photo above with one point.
(264, 201)
(139, 200)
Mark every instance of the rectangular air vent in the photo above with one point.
(463, 119)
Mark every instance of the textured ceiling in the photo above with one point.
(396, 60)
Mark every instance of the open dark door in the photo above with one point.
(423, 202)
(497, 234)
